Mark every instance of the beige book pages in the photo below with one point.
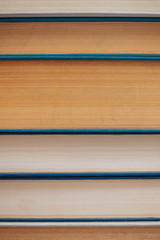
(80, 233)
(79, 94)
(80, 199)
(79, 7)
(80, 38)
(79, 153)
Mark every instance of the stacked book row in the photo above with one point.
(79, 125)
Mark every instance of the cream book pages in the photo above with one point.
(80, 8)
(79, 154)
(80, 199)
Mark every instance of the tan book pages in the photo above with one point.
(80, 233)
(79, 7)
(80, 37)
(79, 94)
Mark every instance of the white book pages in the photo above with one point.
(80, 8)
(80, 199)
(79, 153)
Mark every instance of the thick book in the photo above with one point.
(80, 199)
(80, 37)
(80, 8)
(79, 94)
(88, 155)
(79, 233)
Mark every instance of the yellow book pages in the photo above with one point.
(80, 37)
(80, 233)
(79, 94)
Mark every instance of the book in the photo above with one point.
(79, 233)
(79, 154)
(76, 94)
(80, 199)
(80, 37)
(79, 8)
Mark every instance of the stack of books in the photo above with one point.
(80, 120)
